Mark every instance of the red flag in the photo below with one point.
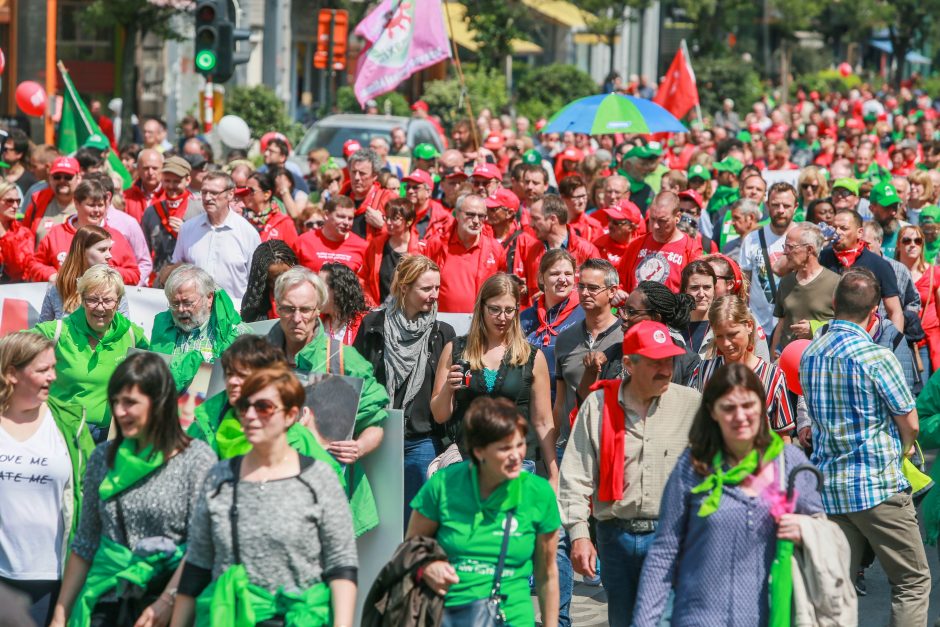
(678, 93)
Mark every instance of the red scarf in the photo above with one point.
(848, 257)
(177, 208)
(549, 328)
(612, 433)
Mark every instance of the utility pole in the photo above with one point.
(52, 15)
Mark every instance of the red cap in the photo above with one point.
(68, 165)
(624, 210)
(274, 135)
(650, 339)
(694, 196)
(421, 177)
(503, 198)
(455, 172)
(814, 95)
(572, 154)
(420, 105)
(242, 191)
(350, 146)
(855, 124)
(487, 171)
(831, 131)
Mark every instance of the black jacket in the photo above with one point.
(395, 600)
(370, 342)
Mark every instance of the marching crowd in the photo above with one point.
(664, 333)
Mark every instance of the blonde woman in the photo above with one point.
(812, 185)
(926, 277)
(922, 193)
(494, 359)
(90, 246)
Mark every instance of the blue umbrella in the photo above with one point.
(606, 114)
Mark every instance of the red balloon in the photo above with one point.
(845, 69)
(31, 98)
(3, 61)
(790, 364)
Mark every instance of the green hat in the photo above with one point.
(426, 152)
(698, 171)
(846, 183)
(532, 157)
(884, 194)
(930, 214)
(745, 136)
(97, 141)
(649, 151)
(729, 164)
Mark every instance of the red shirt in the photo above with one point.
(313, 250)
(580, 249)
(586, 227)
(611, 250)
(136, 200)
(648, 260)
(279, 226)
(54, 247)
(372, 263)
(434, 219)
(464, 269)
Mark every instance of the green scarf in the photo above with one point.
(233, 601)
(230, 438)
(130, 466)
(115, 563)
(716, 481)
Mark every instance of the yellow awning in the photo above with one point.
(559, 11)
(591, 39)
(462, 34)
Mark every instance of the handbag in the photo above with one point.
(483, 612)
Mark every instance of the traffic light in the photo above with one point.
(217, 39)
(332, 31)
(340, 36)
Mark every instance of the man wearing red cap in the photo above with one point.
(421, 111)
(53, 204)
(486, 179)
(574, 193)
(334, 242)
(567, 162)
(624, 224)
(430, 216)
(664, 252)
(452, 177)
(147, 189)
(501, 223)
(466, 256)
(625, 442)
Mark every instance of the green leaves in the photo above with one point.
(262, 110)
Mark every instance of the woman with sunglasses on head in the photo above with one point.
(271, 533)
(262, 210)
(89, 344)
(495, 360)
(270, 260)
(386, 249)
(39, 516)
(926, 276)
(90, 247)
(139, 496)
(17, 242)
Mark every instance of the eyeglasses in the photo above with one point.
(591, 289)
(474, 216)
(181, 305)
(620, 223)
(810, 185)
(211, 192)
(100, 303)
(411, 186)
(10, 201)
(496, 312)
(264, 408)
(288, 311)
(579, 198)
(314, 224)
(63, 177)
(629, 312)
(912, 240)
(788, 247)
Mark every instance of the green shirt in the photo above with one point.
(83, 372)
(471, 533)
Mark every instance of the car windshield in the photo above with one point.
(333, 137)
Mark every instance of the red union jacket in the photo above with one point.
(465, 268)
(372, 263)
(54, 247)
(16, 247)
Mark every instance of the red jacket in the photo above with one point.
(439, 220)
(16, 247)
(279, 226)
(54, 247)
(580, 249)
(369, 272)
(464, 269)
(586, 227)
(36, 208)
(136, 201)
(376, 198)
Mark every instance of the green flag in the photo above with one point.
(77, 125)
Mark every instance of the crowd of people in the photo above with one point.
(654, 337)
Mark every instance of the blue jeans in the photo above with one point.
(419, 453)
(622, 555)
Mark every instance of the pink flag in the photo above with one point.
(395, 48)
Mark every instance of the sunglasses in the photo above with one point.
(62, 177)
(919, 241)
(314, 224)
(263, 407)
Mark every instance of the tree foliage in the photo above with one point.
(725, 77)
(544, 90)
(495, 23)
(262, 110)
(397, 103)
(486, 88)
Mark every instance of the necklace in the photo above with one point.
(262, 481)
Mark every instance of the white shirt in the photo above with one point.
(753, 267)
(223, 251)
(33, 476)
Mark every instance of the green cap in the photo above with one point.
(846, 183)
(698, 171)
(930, 214)
(532, 157)
(97, 141)
(745, 136)
(649, 151)
(884, 194)
(426, 152)
(729, 164)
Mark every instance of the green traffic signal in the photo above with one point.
(205, 60)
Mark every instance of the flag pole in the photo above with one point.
(52, 15)
(69, 87)
(463, 84)
(688, 62)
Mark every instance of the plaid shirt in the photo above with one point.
(853, 388)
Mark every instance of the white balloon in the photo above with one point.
(234, 132)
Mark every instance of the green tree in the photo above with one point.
(726, 77)
(544, 90)
(495, 23)
(485, 88)
(609, 17)
(135, 19)
(262, 110)
(397, 104)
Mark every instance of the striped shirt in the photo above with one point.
(780, 412)
(853, 389)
